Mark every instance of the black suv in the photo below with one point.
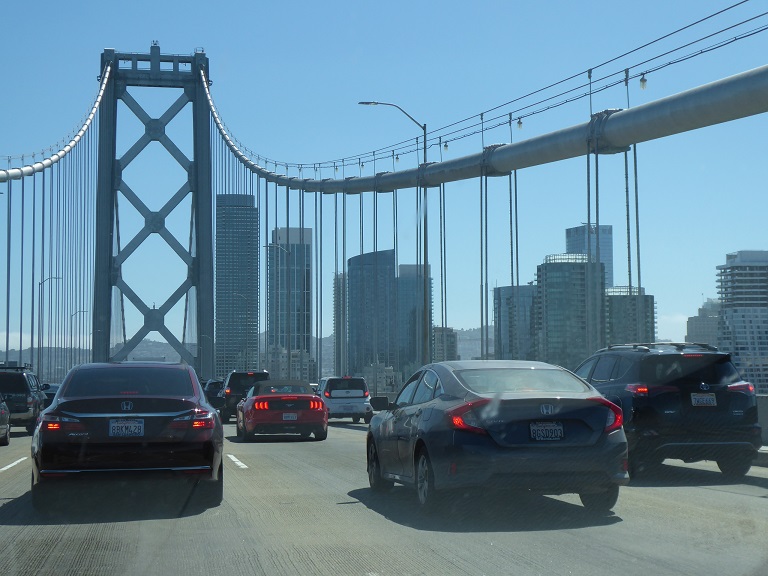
(23, 394)
(236, 386)
(680, 400)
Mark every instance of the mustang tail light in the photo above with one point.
(465, 418)
(261, 405)
(742, 387)
(615, 418)
(316, 404)
(52, 423)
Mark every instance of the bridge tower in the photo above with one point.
(111, 288)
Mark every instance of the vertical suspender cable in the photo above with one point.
(600, 275)
(376, 307)
(442, 259)
(398, 344)
(338, 336)
(21, 272)
(8, 225)
(345, 349)
(32, 269)
(482, 262)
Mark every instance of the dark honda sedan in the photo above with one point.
(498, 424)
(120, 419)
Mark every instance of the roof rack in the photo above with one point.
(14, 365)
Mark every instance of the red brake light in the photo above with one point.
(464, 418)
(316, 404)
(61, 424)
(227, 391)
(289, 398)
(742, 387)
(261, 405)
(327, 394)
(615, 415)
(365, 394)
(637, 389)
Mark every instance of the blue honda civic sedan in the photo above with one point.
(498, 424)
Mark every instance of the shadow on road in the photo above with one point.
(482, 512)
(93, 502)
(670, 475)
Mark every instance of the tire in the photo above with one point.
(356, 419)
(242, 433)
(7, 439)
(425, 482)
(375, 480)
(210, 493)
(321, 434)
(367, 418)
(600, 502)
(735, 467)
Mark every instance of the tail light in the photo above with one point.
(327, 394)
(261, 405)
(465, 418)
(742, 387)
(615, 418)
(30, 401)
(227, 391)
(365, 394)
(52, 423)
(637, 389)
(316, 404)
(200, 420)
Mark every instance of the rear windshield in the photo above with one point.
(500, 380)
(240, 382)
(346, 384)
(12, 383)
(286, 389)
(138, 381)
(707, 368)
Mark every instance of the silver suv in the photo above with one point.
(346, 397)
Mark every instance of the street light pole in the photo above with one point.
(40, 324)
(425, 348)
(71, 337)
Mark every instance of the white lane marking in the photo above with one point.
(12, 464)
(237, 462)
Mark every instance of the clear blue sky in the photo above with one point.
(287, 77)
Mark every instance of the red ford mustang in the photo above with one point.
(280, 406)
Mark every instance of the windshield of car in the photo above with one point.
(710, 369)
(501, 380)
(118, 381)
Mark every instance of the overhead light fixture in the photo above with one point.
(643, 81)
(397, 158)
(519, 123)
(445, 146)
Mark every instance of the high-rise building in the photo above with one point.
(624, 305)
(584, 240)
(410, 314)
(513, 321)
(289, 303)
(570, 312)
(446, 343)
(702, 328)
(742, 284)
(340, 364)
(372, 320)
(237, 283)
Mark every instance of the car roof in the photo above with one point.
(480, 364)
(660, 348)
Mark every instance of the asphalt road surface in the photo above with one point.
(294, 507)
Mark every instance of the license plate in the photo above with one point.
(346, 408)
(547, 431)
(708, 399)
(123, 428)
(290, 416)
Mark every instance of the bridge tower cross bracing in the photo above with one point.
(154, 70)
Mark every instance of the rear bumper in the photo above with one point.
(22, 418)
(548, 469)
(647, 444)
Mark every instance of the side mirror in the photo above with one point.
(380, 403)
(45, 386)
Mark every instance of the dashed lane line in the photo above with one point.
(12, 464)
(237, 462)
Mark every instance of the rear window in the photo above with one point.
(346, 384)
(707, 368)
(139, 381)
(244, 381)
(286, 389)
(500, 380)
(12, 383)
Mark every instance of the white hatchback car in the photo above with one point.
(346, 397)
